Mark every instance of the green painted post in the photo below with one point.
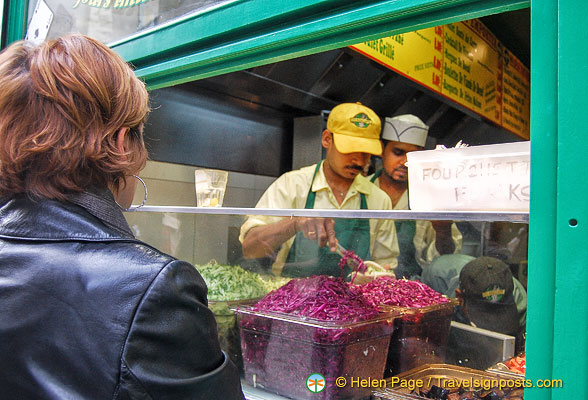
(16, 21)
(570, 344)
(1, 19)
(542, 218)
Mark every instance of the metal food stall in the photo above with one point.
(195, 46)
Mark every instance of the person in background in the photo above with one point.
(487, 300)
(419, 241)
(443, 275)
(88, 311)
(486, 297)
(301, 247)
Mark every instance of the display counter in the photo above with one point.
(209, 228)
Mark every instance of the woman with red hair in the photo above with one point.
(88, 311)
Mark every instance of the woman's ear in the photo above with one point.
(121, 137)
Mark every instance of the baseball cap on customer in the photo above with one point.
(406, 128)
(355, 128)
(487, 287)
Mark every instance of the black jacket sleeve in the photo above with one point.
(172, 349)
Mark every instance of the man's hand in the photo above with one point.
(320, 229)
(264, 241)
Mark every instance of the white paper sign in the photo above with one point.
(40, 23)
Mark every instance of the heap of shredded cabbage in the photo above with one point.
(321, 297)
(400, 292)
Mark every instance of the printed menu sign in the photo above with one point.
(417, 55)
(466, 63)
(515, 95)
(470, 68)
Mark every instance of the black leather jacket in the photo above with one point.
(89, 312)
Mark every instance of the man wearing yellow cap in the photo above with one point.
(419, 241)
(305, 246)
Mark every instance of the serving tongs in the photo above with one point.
(352, 263)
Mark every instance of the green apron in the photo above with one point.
(405, 231)
(306, 258)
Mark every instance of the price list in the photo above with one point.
(470, 68)
(416, 55)
(466, 63)
(515, 95)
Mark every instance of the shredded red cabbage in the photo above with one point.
(400, 292)
(348, 254)
(321, 297)
(336, 347)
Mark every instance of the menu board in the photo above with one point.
(470, 68)
(464, 62)
(418, 56)
(515, 95)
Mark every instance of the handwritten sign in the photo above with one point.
(489, 177)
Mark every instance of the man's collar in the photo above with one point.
(361, 184)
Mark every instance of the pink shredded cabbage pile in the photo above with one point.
(321, 297)
(400, 292)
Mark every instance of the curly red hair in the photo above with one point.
(62, 104)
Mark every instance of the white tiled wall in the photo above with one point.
(196, 238)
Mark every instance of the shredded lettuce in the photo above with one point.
(231, 282)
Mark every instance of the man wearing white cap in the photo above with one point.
(302, 246)
(419, 241)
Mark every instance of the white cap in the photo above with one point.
(406, 129)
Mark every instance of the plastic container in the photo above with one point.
(210, 187)
(228, 329)
(280, 352)
(420, 336)
(453, 378)
(489, 178)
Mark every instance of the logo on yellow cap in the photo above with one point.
(361, 120)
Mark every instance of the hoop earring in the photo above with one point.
(135, 208)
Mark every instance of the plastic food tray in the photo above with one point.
(228, 329)
(434, 374)
(281, 351)
(420, 336)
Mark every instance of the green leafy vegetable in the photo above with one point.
(231, 282)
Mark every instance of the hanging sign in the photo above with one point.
(515, 95)
(471, 68)
(417, 56)
(464, 62)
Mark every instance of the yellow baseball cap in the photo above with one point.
(355, 128)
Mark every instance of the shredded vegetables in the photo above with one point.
(231, 282)
(400, 292)
(347, 255)
(322, 297)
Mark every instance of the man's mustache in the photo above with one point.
(357, 167)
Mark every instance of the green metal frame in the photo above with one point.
(1, 19)
(246, 33)
(544, 200)
(16, 20)
(559, 255)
